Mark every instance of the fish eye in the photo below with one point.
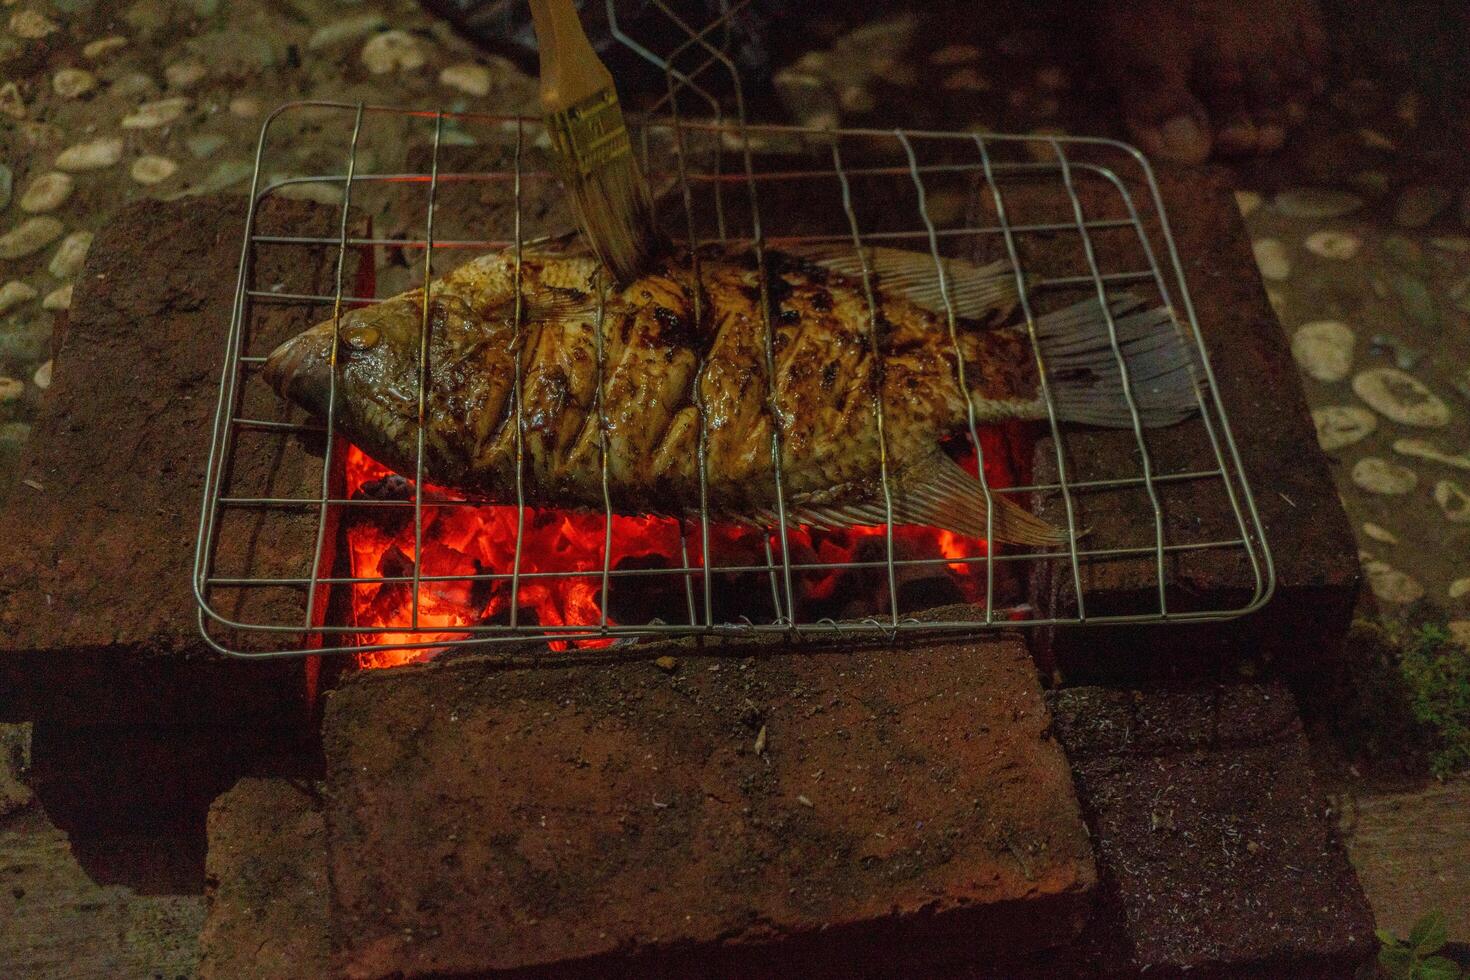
(360, 337)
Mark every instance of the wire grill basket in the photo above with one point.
(1073, 217)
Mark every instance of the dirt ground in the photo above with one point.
(1362, 229)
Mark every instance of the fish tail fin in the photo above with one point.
(1083, 366)
(938, 493)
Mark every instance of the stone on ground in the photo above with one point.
(1342, 425)
(1379, 476)
(58, 922)
(1324, 349)
(1412, 853)
(1401, 397)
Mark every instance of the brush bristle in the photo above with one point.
(609, 195)
(615, 212)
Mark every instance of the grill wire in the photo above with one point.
(693, 178)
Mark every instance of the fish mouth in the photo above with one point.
(300, 370)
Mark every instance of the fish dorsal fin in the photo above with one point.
(565, 245)
(975, 292)
(937, 493)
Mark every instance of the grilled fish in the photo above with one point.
(658, 397)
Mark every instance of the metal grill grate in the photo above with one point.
(1073, 217)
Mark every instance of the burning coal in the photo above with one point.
(562, 554)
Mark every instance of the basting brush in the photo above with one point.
(591, 144)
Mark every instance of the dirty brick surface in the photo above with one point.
(266, 915)
(898, 804)
(97, 615)
(1306, 527)
(1214, 843)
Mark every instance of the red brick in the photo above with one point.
(1411, 851)
(266, 884)
(1212, 833)
(98, 622)
(908, 804)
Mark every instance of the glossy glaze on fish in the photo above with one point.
(617, 386)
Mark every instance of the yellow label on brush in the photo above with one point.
(590, 134)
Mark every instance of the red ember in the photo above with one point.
(460, 539)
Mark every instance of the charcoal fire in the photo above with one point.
(561, 560)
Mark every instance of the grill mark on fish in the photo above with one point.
(801, 268)
(778, 289)
(668, 322)
(882, 326)
(570, 293)
(593, 417)
(702, 341)
(508, 406)
(671, 410)
(829, 375)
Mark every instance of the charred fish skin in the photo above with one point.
(618, 388)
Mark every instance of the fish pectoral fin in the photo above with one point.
(549, 309)
(935, 493)
(568, 243)
(973, 292)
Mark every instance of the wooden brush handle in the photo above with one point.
(570, 69)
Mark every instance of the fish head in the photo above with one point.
(377, 351)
